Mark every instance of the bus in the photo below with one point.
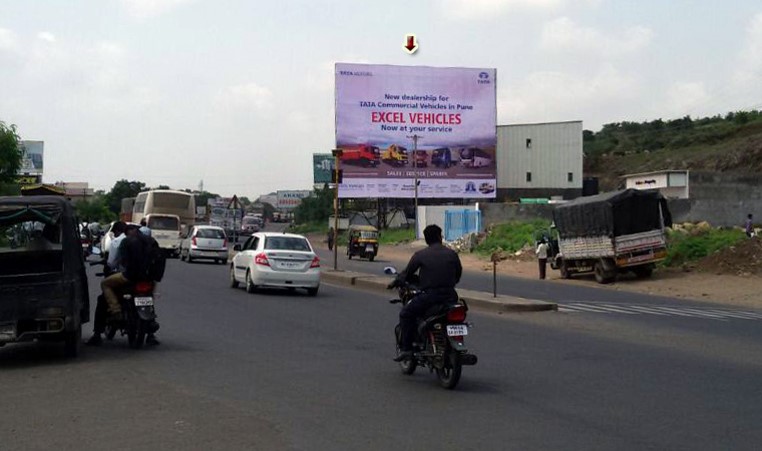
(167, 202)
(473, 157)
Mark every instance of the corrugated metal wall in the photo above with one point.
(555, 151)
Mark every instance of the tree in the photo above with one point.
(122, 189)
(94, 210)
(162, 187)
(315, 208)
(11, 153)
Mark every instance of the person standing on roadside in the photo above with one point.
(749, 228)
(330, 239)
(542, 257)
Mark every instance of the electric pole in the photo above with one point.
(415, 171)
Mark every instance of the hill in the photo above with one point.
(732, 143)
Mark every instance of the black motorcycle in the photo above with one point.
(440, 340)
(138, 317)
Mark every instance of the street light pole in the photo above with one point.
(415, 183)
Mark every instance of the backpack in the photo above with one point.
(156, 261)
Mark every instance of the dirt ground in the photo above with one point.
(733, 276)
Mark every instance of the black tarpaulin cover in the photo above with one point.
(612, 214)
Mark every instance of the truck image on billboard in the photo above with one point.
(394, 123)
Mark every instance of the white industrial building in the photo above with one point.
(672, 184)
(539, 160)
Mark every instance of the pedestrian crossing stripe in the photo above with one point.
(657, 310)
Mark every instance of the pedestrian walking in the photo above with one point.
(330, 239)
(542, 257)
(749, 226)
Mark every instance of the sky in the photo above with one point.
(240, 93)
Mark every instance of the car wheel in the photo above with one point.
(233, 282)
(312, 291)
(250, 287)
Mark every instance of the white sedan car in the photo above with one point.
(280, 260)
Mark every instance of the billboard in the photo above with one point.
(290, 199)
(396, 123)
(31, 162)
(322, 166)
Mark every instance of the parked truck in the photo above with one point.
(610, 233)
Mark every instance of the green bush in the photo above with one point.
(685, 247)
(396, 236)
(512, 236)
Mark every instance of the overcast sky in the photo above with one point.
(239, 93)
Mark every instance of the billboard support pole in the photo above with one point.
(337, 155)
(415, 172)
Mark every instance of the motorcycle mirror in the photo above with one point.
(391, 270)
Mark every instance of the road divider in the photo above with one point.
(476, 299)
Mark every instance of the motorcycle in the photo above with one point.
(440, 340)
(138, 317)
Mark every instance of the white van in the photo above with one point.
(165, 229)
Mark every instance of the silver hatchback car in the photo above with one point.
(205, 242)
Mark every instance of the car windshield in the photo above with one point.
(287, 243)
(210, 233)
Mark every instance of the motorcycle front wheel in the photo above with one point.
(449, 374)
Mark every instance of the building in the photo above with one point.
(76, 191)
(539, 160)
(672, 184)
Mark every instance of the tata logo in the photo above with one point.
(483, 75)
(483, 78)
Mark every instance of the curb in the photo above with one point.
(477, 299)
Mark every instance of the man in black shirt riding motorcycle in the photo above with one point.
(439, 271)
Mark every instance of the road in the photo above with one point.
(281, 370)
(561, 293)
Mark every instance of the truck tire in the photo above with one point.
(563, 267)
(602, 276)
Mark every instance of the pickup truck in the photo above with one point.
(610, 233)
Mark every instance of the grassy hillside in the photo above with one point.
(732, 143)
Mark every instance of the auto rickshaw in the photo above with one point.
(43, 283)
(363, 241)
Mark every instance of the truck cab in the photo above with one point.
(395, 155)
(363, 155)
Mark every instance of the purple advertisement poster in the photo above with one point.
(399, 124)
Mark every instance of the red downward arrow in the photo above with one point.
(411, 45)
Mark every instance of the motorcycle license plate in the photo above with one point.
(143, 301)
(457, 330)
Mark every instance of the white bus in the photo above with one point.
(167, 202)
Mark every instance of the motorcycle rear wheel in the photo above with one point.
(406, 366)
(449, 374)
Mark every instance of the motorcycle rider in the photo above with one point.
(113, 265)
(439, 271)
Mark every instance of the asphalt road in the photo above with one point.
(281, 370)
(547, 290)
